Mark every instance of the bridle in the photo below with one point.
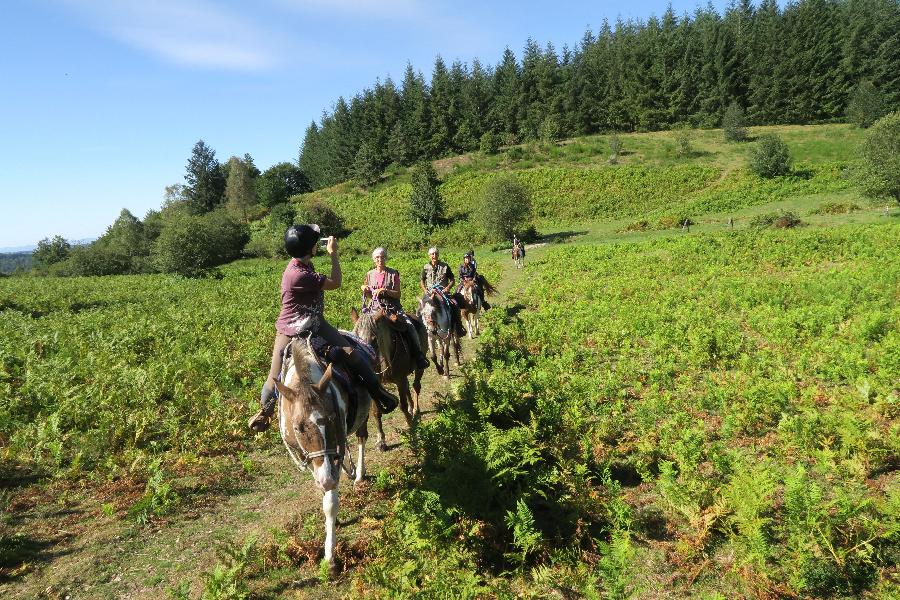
(429, 321)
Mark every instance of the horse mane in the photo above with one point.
(369, 329)
(302, 384)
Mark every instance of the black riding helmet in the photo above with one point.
(300, 239)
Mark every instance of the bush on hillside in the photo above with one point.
(506, 207)
(879, 175)
(835, 208)
(615, 146)
(426, 206)
(866, 105)
(319, 212)
(490, 142)
(683, 135)
(734, 123)
(550, 131)
(192, 245)
(770, 157)
(776, 220)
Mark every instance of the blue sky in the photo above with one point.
(102, 100)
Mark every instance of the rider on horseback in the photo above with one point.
(436, 274)
(469, 270)
(382, 285)
(302, 307)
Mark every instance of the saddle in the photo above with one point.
(321, 349)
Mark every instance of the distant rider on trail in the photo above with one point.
(302, 308)
(382, 285)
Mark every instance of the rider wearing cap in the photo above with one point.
(436, 274)
(302, 308)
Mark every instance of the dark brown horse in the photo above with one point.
(396, 362)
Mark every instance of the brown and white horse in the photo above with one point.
(396, 363)
(312, 417)
(518, 255)
(470, 307)
(441, 332)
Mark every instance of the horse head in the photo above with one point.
(310, 422)
(436, 315)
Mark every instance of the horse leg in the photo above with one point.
(330, 505)
(417, 388)
(434, 347)
(405, 399)
(445, 356)
(379, 443)
(362, 434)
(455, 342)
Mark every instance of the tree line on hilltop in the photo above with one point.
(813, 61)
(796, 65)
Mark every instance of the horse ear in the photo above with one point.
(283, 389)
(323, 383)
(354, 315)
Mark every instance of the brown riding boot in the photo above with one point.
(385, 400)
(261, 420)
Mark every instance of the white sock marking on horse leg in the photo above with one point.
(361, 462)
(330, 505)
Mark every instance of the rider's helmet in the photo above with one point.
(299, 240)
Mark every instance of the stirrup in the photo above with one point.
(260, 422)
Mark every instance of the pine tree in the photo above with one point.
(440, 128)
(426, 207)
(205, 181)
(365, 167)
(506, 93)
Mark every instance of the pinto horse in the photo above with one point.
(312, 418)
(470, 307)
(438, 319)
(518, 255)
(397, 362)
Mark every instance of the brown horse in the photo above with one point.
(396, 362)
(312, 418)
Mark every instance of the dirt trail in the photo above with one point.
(89, 553)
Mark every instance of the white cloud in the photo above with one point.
(187, 32)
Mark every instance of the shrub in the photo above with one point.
(734, 123)
(506, 207)
(615, 145)
(835, 208)
(866, 105)
(191, 245)
(49, 252)
(770, 157)
(509, 139)
(320, 212)
(426, 207)
(879, 175)
(776, 220)
(490, 142)
(550, 130)
(683, 135)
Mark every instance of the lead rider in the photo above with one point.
(302, 308)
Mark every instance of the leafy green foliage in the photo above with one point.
(683, 136)
(49, 252)
(490, 142)
(191, 245)
(770, 157)
(366, 171)
(880, 171)
(280, 182)
(777, 220)
(505, 207)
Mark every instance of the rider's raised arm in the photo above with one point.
(333, 281)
